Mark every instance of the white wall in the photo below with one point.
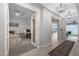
(23, 24)
(3, 29)
(62, 32)
(45, 28)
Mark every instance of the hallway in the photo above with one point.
(43, 51)
(39, 18)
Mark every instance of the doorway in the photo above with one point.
(20, 30)
(72, 30)
(55, 29)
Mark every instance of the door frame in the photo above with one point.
(53, 20)
(30, 7)
(33, 31)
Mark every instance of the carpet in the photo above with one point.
(63, 49)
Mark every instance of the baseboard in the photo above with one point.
(44, 45)
(6, 54)
(33, 44)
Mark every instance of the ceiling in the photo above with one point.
(19, 11)
(69, 10)
(38, 5)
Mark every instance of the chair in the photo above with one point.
(22, 35)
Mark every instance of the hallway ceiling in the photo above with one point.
(66, 10)
(19, 11)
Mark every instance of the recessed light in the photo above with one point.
(17, 13)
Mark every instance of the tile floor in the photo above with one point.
(20, 47)
(45, 50)
(75, 49)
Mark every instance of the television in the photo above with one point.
(27, 30)
(11, 32)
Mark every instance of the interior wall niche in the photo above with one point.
(13, 25)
